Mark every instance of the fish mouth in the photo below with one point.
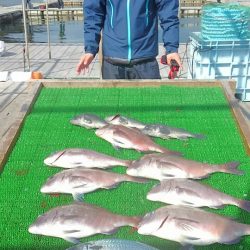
(74, 121)
(131, 171)
(99, 132)
(48, 162)
(44, 189)
(32, 229)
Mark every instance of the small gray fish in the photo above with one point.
(125, 121)
(79, 181)
(166, 132)
(192, 226)
(130, 138)
(112, 244)
(165, 166)
(194, 194)
(77, 157)
(78, 220)
(88, 121)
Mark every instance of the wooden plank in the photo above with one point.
(20, 108)
(48, 83)
(242, 121)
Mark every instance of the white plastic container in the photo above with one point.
(221, 60)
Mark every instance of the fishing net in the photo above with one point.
(225, 22)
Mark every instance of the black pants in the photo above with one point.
(143, 70)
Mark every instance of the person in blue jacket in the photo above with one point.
(129, 36)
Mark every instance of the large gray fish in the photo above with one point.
(194, 194)
(77, 157)
(192, 226)
(88, 121)
(166, 132)
(79, 181)
(79, 220)
(132, 138)
(112, 244)
(125, 121)
(163, 166)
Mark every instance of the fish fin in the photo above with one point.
(231, 168)
(186, 225)
(72, 240)
(234, 241)
(112, 186)
(217, 207)
(187, 203)
(244, 205)
(119, 142)
(78, 197)
(169, 171)
(112, 231)
(187, 247)
(181, 137)
(187, 191)
(192, 238)
(79, 180)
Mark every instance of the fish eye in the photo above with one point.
(87, 120)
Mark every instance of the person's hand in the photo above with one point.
(174, 56)
(84, 63)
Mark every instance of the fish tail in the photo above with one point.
(199, 136)
(244, 205)
(230, 168)
(136, 179)
(126, 163)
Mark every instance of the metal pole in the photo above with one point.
(25, 33)
(48, 31)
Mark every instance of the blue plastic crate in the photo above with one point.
(221, 60)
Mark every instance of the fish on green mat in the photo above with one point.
(112, 244)
(165, 166)
(194, 194)
(88, 121)
(131, 138)
(192, 226)
(75, 221)
(79, 181)
(166, 132)
(77, 157)
(155, 130)
(125, 121)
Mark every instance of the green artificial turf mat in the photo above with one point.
(47, 129)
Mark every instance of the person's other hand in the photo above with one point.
(174, 56)
(84, 63)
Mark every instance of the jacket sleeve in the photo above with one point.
(169, 21)
(94, 15)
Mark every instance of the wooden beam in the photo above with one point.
(23, 105)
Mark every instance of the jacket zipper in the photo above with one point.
(129, 30)
(147, 3)
(112, 14)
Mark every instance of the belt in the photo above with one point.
(125, 62)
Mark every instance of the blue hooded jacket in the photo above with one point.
(130, 27)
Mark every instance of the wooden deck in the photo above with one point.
(65, 58)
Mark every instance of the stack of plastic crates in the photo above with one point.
(217, 56)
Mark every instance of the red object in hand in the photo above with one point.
(174, 67)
